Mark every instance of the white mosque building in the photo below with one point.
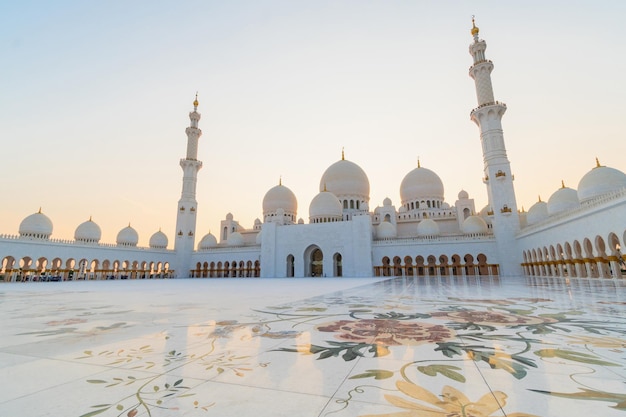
(576, 233)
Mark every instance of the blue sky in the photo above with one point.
(96, 95)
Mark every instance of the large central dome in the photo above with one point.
(421, 184)
(280, 197)
(345, 178)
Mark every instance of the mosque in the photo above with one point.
(576, 233)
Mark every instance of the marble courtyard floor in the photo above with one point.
(401, 347)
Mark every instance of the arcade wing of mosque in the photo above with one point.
(575, 233)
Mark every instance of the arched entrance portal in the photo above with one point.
(290, 268)
(337, 265)
(317, 263)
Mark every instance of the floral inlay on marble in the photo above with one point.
(398, 348)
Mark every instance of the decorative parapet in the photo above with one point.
(491, 103)
(505, 209)
(435, 239)
(500, 174)
(69, 242)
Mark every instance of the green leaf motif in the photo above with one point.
(315, 309)
(448, 371)
(94, 413)
(374, 373)
(571, 355)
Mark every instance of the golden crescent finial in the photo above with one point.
(598, 163)
(324, 187)
(342, 154)
(562, 184)
(474, 30)
(540, 198)
(418, 162)
(195, 102)
(39, 210)
(280, 180)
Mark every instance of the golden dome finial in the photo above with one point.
(195, 102)
(343, 158)
(324, 187)
(39, 210)
(562, 184)
(539, 198)
(418, 162)
(598, 163)
(475, 29)
(280, 180)
(90, 219)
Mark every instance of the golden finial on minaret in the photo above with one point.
(195, 102)
(598, 163)
(343, 158)
(475, 29)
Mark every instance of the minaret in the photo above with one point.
(187, 205)
(497, 168)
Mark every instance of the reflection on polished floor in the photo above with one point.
(466, 346)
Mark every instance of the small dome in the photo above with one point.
(88, 232)
(474, 225)
(428, 227)
(386, 230)
(158, 240)
(229, 216)
(562, 199)
(463, 195)
(235, 239)
(538, 212)
(207, 242)
(600, 180)
(127, 237)
(345, 178)
(37, 225)
(325, 205)
(259, 238)
(421, 183)
(387, 202)
(486, 211)
(280, 197)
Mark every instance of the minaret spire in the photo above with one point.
(187, 205)
(497, 168)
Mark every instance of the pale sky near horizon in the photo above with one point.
(96, 96)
